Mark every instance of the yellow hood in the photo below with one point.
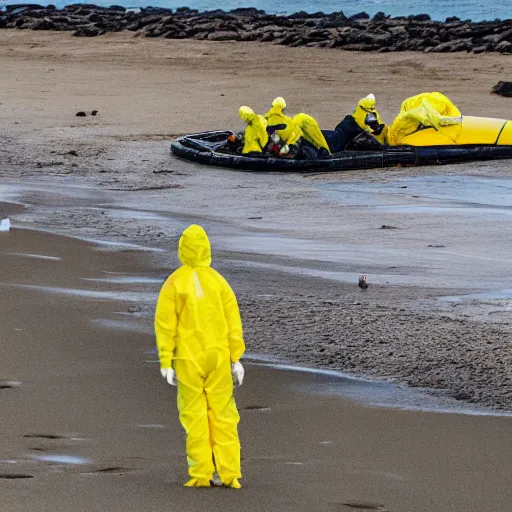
(194, 247)
(247, 114)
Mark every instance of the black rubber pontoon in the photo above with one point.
(206, 148)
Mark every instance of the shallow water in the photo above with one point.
(34, 256)
(461, 194)
(62, 459)
(481, 296)
(378, 393)
(120, 295)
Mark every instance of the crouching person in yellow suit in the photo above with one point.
(300, 126)
(200, 343)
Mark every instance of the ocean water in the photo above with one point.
(476, 10)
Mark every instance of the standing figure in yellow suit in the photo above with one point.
(200, 343)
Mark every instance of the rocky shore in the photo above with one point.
(356, 33)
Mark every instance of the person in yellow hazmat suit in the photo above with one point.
(276, 117)
(426, 110)
(365, 118)
(255, 135)
(200, 342)
(300, 126)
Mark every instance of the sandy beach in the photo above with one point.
(436, 314)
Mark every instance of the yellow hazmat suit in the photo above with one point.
(306, 126)
(255, 135)
(199, 332)
(426, 110)
(276, 116)
(302, 125)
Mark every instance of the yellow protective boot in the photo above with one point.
(194, 482)
(234, 484)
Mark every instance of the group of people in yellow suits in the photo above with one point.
(289, 131)
(425, 110)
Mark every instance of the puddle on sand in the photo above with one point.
(436, 194)
(33, 256)
(62, 459)
(127, 280)
(88, 294)
(379, 393)
(479, 296)
(124, 325)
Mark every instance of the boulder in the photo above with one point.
(459, 45)
(504, 47)
(224, 35)
(503, 89)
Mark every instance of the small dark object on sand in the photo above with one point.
(81, 114)
(94, 112)
(363, 283)
(385, 226)
(503, 89)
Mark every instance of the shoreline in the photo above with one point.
(360, 32)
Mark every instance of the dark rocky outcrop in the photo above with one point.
(355, 33)
(503, 89)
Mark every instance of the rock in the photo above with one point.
(88, 31)
(359, 32)
(386, 226)
(80, 114)
(480, 49)
(94, 112)
(503, 89)
(453, 46)
(222, 35)
(420, 17)
(504, 47)
(380, 16)
(360, 16)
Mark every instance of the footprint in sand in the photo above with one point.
(44, 436)
(10, 384)
(365, 506)
(112, 470)
(14, 476)
(260, 408)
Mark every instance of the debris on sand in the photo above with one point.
(5, 225)
(503, 89)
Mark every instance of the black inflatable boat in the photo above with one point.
(364, 152)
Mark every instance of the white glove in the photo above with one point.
(238, 372)
(170, 375)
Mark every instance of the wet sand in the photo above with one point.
(88, 418)
(437, 313)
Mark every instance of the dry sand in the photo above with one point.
(291, 246)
